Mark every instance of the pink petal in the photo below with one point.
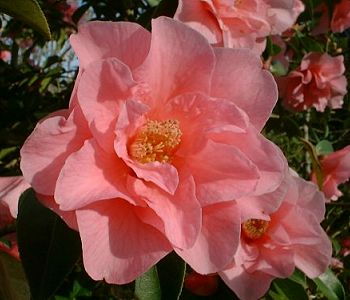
(236, 71)
(102, 87)
(258, 207)
(46, 149)
(313, 262)
(268, 158)
(277, 262)
(247, 286)
(162, 70)
(128, 42)
(222, 173)
(90, 175)
(200, 116)
(309, 197)
(117, 246)
(218, 239)
(200, 19)
(11, 189)
(180, 213)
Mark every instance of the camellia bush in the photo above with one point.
(162, 149)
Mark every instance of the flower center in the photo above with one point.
(254, 228)
(156, 141)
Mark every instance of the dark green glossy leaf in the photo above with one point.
(285, 289)
(48, 247)
(171, 273)
(330, 286)
(299, 277)
(29, 12)
(147, 286)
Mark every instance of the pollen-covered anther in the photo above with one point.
(156, 141)
(254, 228)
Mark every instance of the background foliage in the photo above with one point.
(36, 78)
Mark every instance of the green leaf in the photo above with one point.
(329, 285)
(324, 147)
(272, 48)
(286, 289)
(171, 273)
(6, 151)
(299, 277)
(29, 12)
(13, 285)
(147, 286)
(278, 69)
(153, 2)
(48, 247)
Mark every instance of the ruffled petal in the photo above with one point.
(102, 87)
(247, 286)
(90, 175)
(128, 42)
(218, 239)
(117, 246)
(46, 149)
(162, 71)
(180, 213)
(200, 19)
(222, 173)
(236, 71)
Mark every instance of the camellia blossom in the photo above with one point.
(336, 170)
(273, 245)
(10, 190)
(341, 16)
(162, 134)
(318, 82)
(239, 23)
(5, 55)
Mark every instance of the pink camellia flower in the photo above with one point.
(341, 16)
(157, 142)
(10, 190)
(336, 170)
(5, 55)
(237, 23)
(273, 245)
(318, 82)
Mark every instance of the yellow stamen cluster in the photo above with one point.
(254, 228)
(156, 141)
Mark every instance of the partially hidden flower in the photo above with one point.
(162, 134)
(341, 16)
(10, 190)
(318, 82)
(5, 55)
(273, 245)
(335, 168)
(201, 285)
(239, 23)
